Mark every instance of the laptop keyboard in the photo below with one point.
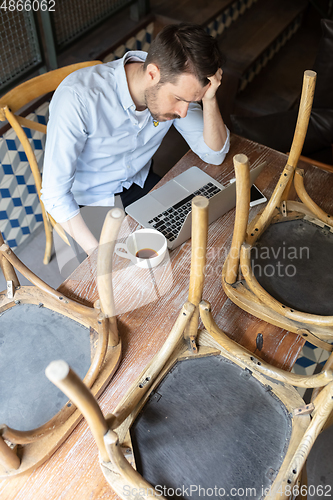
(170, 221)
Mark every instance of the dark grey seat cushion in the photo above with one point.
(30, 338)
(293, 261)
(210, 423)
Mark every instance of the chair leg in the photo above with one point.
(48, 243)
(241, 165)
(7, 268)
(8, 458)
(303, 485)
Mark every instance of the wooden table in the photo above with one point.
(148, 306)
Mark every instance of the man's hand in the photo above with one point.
(215, 82)
(214, 132)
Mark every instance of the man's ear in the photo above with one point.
(153, 74)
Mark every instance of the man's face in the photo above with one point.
(169, 101)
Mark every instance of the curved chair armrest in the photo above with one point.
(255, 363)
(305, 106)
(323, 406)
(319, 164)
(283, 185)
(121, 476)
(27, 91)
(61, 375)
(147, 378)
(12, 119)
(7, 253)
(308, 202)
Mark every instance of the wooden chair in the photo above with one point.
(37, 322)
(296, 299)
(12, 103)
(205, 411)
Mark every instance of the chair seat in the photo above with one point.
(292, 261)
(211, 423)
(32, 336)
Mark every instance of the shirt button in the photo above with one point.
(127, 166)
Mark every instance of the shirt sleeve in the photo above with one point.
(66, 137)
(191, 128)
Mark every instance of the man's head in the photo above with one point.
(184, 48)
(178, 66)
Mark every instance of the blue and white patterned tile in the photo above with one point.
(40, 159)
(307, 363)
(3, 148)
(19, 195)
(324, 357)
(19, 201)
(140, 41)
(11, 140)
(14, 235)
(144, 37)
(2, 174)
(228, 16)
(7, 186)
(5, 227)
(6, 208)
(12, 159)
(31, 204)
(30, 222)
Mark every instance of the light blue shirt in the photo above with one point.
(97, 143)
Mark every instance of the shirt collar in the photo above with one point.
(124, 93)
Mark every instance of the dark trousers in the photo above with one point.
(132, 194)
(135, 192)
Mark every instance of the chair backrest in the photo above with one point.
(43, 320)
(27, 91)
(13, 102)
(296, 307)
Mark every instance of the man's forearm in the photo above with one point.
(78, 230)
(214, 132)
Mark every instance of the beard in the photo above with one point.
(151, 101)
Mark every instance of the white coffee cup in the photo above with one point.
(145, 248)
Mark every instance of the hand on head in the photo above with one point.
(215, 82)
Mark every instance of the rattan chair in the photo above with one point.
(299, 298)
(206, 417)
(36, 322)
(11, 105)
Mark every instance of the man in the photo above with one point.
(107, 121)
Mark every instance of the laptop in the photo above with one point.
(168, 208)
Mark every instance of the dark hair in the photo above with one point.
(184, 48)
